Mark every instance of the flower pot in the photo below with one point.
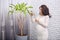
(24, 37)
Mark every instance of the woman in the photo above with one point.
(42, 22)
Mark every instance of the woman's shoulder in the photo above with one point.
(42, 17)
(47, 16)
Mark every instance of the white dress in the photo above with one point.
(41, 30)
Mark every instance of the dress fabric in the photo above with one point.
(41, 32)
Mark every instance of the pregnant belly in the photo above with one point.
(41, 29)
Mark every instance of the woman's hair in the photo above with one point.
(45, 10)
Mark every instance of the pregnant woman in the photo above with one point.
(42, 22)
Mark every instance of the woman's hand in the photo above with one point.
(36, 20)
(31, 13)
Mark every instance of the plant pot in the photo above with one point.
(24, 37)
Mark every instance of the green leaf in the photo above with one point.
(29, 7)
(12, 5)
(10, 12)
(22, 7)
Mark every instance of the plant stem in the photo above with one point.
(21, 24)
(22, 31)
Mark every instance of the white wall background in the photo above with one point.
(54, 23)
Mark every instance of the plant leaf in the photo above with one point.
(29, 7)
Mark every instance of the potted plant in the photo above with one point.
(22, 9)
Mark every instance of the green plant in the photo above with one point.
(22, 7)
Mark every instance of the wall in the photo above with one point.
(6, 31)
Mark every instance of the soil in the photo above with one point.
(22, 35)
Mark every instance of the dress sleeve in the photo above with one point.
(44, 22)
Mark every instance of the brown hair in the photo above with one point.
(45, 10)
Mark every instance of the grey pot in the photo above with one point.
(21, 37)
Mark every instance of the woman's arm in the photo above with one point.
(32, 19)
(32, 15)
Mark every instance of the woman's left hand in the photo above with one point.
(36, 20)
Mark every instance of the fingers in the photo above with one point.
(36, 20)
(31, 13)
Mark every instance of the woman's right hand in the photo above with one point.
(31, 13)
